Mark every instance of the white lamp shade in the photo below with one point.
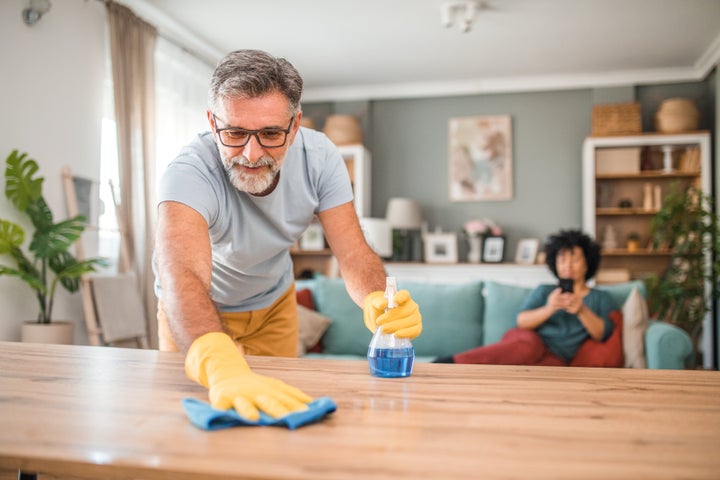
(378, 234)
(404, 213)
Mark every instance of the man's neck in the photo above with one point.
(270, 189)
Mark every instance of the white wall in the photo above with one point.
(51, 77)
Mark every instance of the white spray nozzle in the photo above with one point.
(390, 291)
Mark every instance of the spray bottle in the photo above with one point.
(388, 355)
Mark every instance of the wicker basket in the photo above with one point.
(616, 119)
(677, 115)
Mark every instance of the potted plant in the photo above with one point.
(684, 294)
(47, 262)
(633, 242)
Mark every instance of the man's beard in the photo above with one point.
(254, 183)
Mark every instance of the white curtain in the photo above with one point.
(132, 47)
(181, 85)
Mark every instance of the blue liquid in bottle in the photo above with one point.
(389, 356)
(391, 362)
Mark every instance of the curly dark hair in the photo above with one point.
(567, 240)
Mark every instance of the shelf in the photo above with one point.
(616, 211)
(647, 175)
(609, 222)
(641, 252)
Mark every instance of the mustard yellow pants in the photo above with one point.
(271, 331)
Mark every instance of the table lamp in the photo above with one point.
(378, 234)
(405, 217)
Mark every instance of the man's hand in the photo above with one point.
(215, 362)
(404, 320)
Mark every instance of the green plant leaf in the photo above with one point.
(40, 215)
(29, 279)
(11, 236)
(20, 186)
(58, 237)
(69, 270)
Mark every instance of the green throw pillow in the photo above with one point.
(347, 333)
(620, 291)
(502, 304)
(452, 317)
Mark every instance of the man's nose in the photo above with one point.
(253, 150)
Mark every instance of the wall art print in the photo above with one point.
(480, 158)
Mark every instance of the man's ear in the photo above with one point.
(210, 120)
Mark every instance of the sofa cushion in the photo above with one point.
(347, 333)
(502, 304)
(311, 327)
(452, 317)
(621, 291)
(636, 318)
(603, 354)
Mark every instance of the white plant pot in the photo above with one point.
(55, 332)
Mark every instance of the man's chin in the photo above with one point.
(254, 185)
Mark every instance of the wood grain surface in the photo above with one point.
(101, 412)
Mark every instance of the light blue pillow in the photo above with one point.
(347, 333)
(620, 291)
(502, 304)
(452, 317)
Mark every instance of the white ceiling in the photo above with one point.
(364, 49)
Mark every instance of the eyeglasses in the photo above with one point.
(236, 137)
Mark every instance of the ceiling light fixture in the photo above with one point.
(35, 11)
(460, 12)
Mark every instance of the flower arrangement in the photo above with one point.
(482, 227)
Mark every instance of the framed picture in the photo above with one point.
(313, 238)
(493, 248)
(480, 158)
(527, 250)
(441, 248)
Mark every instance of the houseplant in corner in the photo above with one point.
(47, 262)
(685, 293)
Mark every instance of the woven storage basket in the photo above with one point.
(677, 115)
(616, 119)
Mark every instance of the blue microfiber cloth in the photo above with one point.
(203, 415)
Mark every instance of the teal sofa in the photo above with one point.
(460, 316)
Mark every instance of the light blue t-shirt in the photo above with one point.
(250, 235)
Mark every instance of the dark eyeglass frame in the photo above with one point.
(254, 133)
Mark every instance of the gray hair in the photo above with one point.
(254, 73)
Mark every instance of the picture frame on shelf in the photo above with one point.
(493, 249)
(527, 250)
(313, 238)
(441, 248)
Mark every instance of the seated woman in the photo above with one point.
(553, 323)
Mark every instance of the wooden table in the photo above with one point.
(112, 413)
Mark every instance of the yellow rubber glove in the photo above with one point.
(215, 362)
(404, 320)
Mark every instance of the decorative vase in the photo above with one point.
(474, 248)
(55, 332)
(677, 115)
(343, 129)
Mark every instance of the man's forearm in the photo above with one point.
(363, 273)
(190, 310)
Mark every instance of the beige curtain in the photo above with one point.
(132, 46)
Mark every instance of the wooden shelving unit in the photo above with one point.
(605, 192)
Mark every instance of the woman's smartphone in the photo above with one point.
(566, 285)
